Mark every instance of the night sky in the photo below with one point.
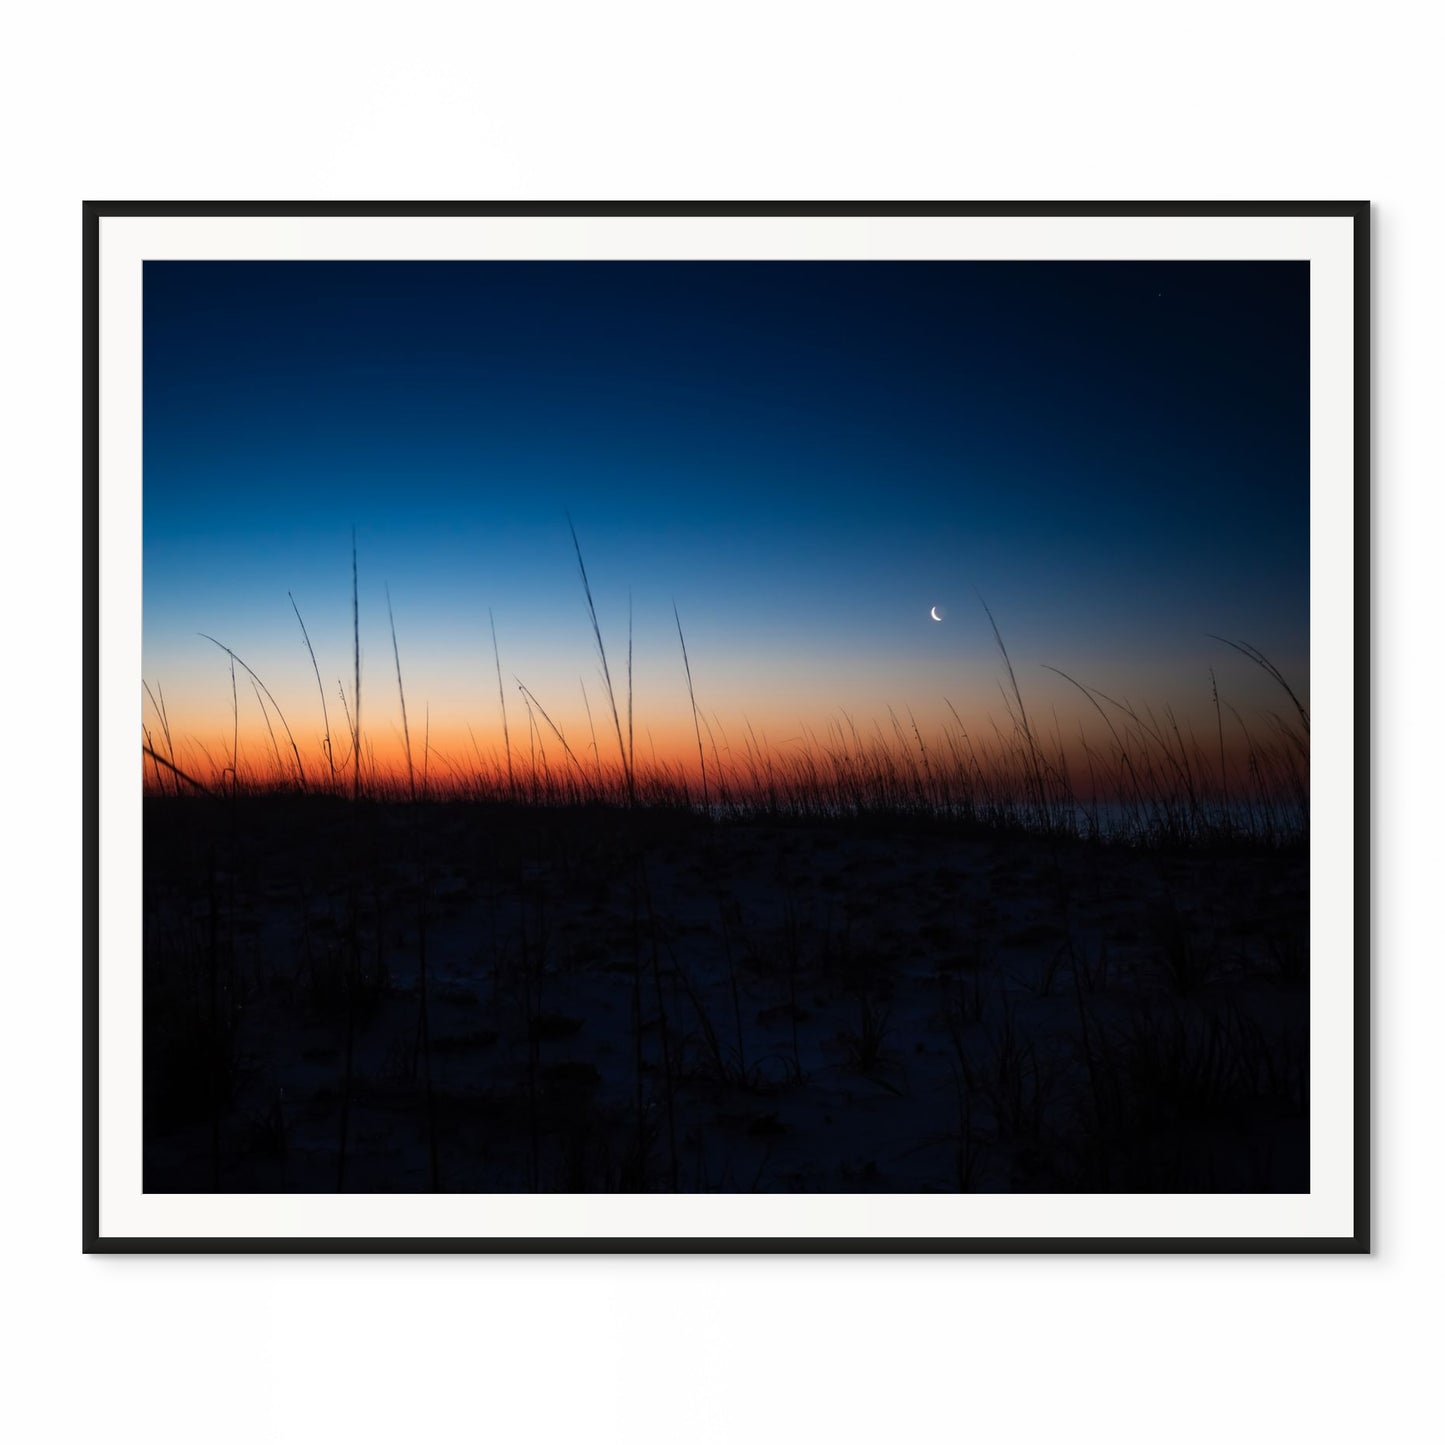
(804, 457)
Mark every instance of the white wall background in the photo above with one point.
(750, 100)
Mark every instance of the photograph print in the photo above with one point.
(725, 727)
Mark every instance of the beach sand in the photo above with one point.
(493, 998)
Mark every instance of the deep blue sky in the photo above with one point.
(804, 456)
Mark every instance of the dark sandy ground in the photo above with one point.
(488, 998)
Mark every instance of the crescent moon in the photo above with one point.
(933, 613)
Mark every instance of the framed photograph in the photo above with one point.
(727, 727)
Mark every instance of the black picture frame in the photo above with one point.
(95, 1241)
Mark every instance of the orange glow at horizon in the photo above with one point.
(444, 756)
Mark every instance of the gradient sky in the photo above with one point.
(804, 457)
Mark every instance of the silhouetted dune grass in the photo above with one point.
(1146, 781)
(875, 960)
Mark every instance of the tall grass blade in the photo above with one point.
(691, 697)
(401, 692)
(321, 692)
